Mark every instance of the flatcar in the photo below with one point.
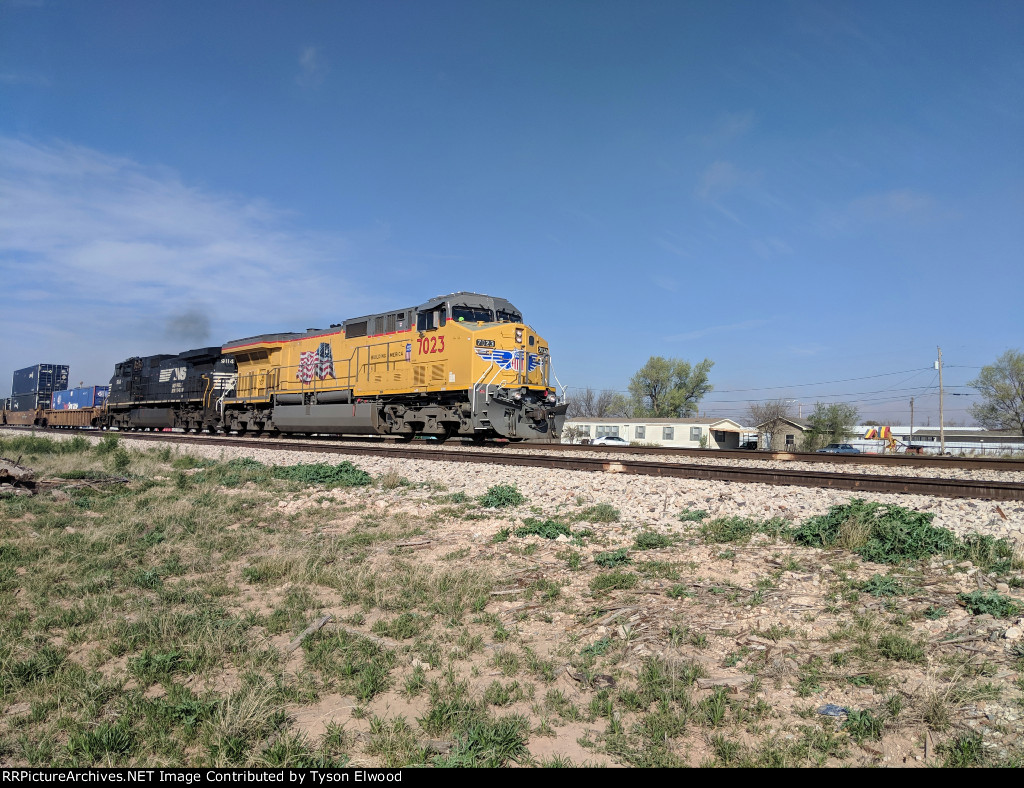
(463, 364)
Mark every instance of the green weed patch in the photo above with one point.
(501, 496)
(548, 529)
(740, 529)
(888, 534)
(612, 558)
(344, 474)
(613, 581)
(991, 602)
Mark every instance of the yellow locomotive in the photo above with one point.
(462, 364)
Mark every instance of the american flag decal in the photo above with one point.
(307, 364)
(325, 361)
(317, 363)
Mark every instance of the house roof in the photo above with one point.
(707, 421)
(952, 433)
(802, 424)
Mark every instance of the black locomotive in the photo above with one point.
(184, 391)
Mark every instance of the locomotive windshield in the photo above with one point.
(472, 315)
(509, 317)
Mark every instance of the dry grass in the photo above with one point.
(151, 623)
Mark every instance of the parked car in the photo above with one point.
(839, 448)
(748, 445)
(610, 440)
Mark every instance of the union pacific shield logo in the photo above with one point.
(506, 359)
(510, 359)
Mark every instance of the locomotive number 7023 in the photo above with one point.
(430, 344)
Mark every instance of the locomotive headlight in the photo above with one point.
(517, 395)
(519, 335)
(551, 399)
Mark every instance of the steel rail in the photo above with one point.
(929, 462)
(910, 460)
(851, 482)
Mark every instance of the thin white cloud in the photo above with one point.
(672, 247)
(722, 180)
(812, 349)
(771, 247)
(901, 206)
(703, 332)
(718, 180)
(31, 80)
(101, 251)
(729, 127)
(312, 68)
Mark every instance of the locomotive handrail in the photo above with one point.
(486, 393)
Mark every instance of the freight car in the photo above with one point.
(156, 392)
(462, 364)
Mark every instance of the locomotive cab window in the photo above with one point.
(468, 314)
(425, 321)
(509, 317)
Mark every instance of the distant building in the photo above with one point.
(690, 433)
(788, 436)
(959, 440)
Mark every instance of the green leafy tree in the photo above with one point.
(829, 424)
(669, 387)
(1001, 386)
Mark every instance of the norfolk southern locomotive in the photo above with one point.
(170, 391)
(463, 364)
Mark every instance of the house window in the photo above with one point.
(641, 432)
(667, 433)
(719, 436)
(695, 433)
(602, 431)
(791, 440)
(584, 429)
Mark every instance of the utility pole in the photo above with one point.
(911, 421)
(942, 422)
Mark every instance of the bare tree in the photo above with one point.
(572, 433)
(588, 404)
(768, 418)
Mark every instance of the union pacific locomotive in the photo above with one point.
(463, 364)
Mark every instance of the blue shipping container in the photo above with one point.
(40, 379)
(73, 399)
(30, 401)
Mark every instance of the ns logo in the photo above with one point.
(173, 374)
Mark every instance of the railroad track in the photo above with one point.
(851, 482)
(929, 462)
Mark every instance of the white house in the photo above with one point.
(692, 433)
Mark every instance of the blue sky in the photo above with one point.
(806, 193)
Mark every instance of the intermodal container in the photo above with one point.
(42, 378)
(30, 401)
(73, 399)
